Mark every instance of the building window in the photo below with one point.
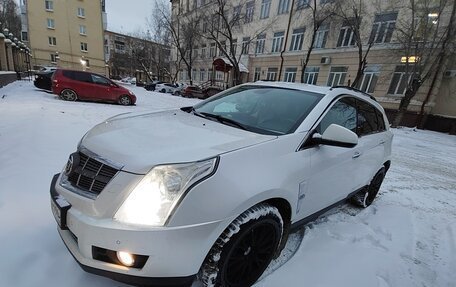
(49, 5)
(257, 75)
(245, 45)
(81, 12)
(400, 81)
(236, 14)
(54, 58)
(326, 1)
(212, 50)
(82, 30)
(119, 45)
(203, 51)
(249, 11)
(337, 76)
(301, 4)
(265, 8)
(24, 36)
(223, 48)
(50, 23)
(277, 42)
(259, 47)
(296, 39)
(234, 47)
(195, 52)
(346, 35)
(383, 28)
(84, 47)
(52, 41)
(202, 75)
(311, 75)
(322, 36)
(290, 75)
(272, 74)
(194, 74)
(370, 79)
(284, 6)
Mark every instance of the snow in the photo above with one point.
(406, 238)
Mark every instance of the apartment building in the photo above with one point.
(129, 56)
(273, 38)
(65, 33)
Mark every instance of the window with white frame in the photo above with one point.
(234, 46)
(52, 41)
(24, 36)
(212, 50)
(81, 12)
(84, 47)
(383, 28)
(202, 75)
(322, 36)
(119, 44)
(203, 51)
(370, 78)
(265, 8)
(259, 46)
(50, 23)
(249, 11)
(257, 75)
(311, 75)
(245, 45)
(296, 39)
(237, 14)
(49, 5)
(290, 75)
(400, 80)
(337, 76)
(194, 74)
(284, 6)
(54, 58)
(82, 30)
(195, 52)
(277, 42)
(346, 35)
(302, 4)
(223, 48)
(272, 74)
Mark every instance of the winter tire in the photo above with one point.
(125, 100)
(68, 95)
(244, 250)
(162, 91)
(365, 197)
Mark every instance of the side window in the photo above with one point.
(367, 119)
(100, 80)
(342, 113)
(380, 120)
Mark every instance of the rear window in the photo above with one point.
(78, 76)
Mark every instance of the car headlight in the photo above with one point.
(131, 93)
(154, 198)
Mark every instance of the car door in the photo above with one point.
(101, 88)
(82, 84)
(333, 169)
(371, 132)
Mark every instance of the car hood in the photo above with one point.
(140, 141)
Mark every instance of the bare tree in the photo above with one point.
(320, 15)
(426, 38)
(9, 17)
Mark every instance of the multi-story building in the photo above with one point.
(273, 37)
(65, 33)
(129, 56)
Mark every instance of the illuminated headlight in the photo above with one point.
(157, 194)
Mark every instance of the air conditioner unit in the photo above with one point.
(449, 74)
(325, 60)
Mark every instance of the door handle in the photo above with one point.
(356, 154)
(382, 142)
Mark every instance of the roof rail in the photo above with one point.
(356, 90)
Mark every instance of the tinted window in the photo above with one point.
(342, 113)
(83, 77)
(100, 80)
(367, 119)
(380, 120)
(265, 110)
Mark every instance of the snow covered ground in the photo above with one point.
(406, 238)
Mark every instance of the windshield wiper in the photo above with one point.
(222, 120)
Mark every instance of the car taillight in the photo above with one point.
(55, 81)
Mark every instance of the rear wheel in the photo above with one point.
(68, 95)
(162, 91)
(245, 249)
(365, 197)
(125, 100)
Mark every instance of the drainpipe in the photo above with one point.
(286, 40)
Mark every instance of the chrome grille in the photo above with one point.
(90, 174)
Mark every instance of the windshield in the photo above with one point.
(265, 110)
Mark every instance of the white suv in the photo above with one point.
(214, 189)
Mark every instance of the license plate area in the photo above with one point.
(60, 207)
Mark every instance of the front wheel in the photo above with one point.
(125, 100)
(244, 250)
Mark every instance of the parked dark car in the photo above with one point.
(43, 80)
(77, 85)
(151, 86)
(197, 92)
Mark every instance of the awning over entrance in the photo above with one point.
(224, 65)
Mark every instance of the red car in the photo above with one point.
(76, 85)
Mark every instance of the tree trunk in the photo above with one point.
(409, 94)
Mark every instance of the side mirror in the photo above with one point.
(336, 135)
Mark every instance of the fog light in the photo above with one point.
(126, 258)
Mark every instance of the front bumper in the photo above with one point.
(175, 254)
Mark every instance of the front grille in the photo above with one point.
(90, 174)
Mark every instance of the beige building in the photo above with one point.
(274, 37)
(65, 33)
